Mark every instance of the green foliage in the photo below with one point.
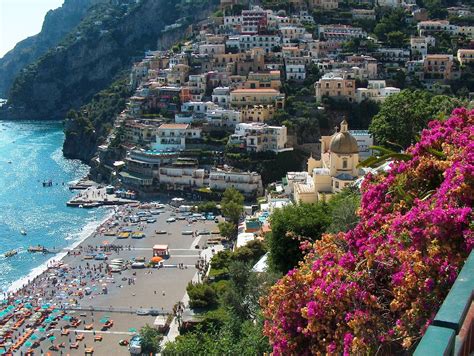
(393, 21)
(343, 210)
(290, 226)
(150, 340)
(208, 207)
(404, 115)
(232, 205)
(201, 295)
(227, 229)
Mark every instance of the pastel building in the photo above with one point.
(172, 137)
(336, 169)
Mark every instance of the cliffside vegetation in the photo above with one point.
(108, 40)
(90, 125)
(57, 24)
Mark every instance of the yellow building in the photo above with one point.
(465, 56)
(336, 86)
(250, 97)
(257, 113)
(336, 169)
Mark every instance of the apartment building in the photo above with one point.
(257, 113)
(340, 33)
(246, 97)
(419, 45)
(295, 69)
(253, 20)
(182, 173)
(376, 90)
(336, 85)
(172, 137)
(249, 184)
(259, 137)
(223, 117)
(438, 67)
(465, 56)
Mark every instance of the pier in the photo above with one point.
(94, 196)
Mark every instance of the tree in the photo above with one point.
(201, 295)
(396, 39)
(150, 340)
(343, 208)
(227, 229)
(290, 226)
(232, 205)
(404, 115)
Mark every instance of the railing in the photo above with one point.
(452, 330)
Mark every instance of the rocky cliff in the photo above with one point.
(57, 24)
(139, 29)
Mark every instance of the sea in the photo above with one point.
(31, 153)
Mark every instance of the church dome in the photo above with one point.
(343, 142)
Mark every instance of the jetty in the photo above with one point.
(96, 196)
(82, 184)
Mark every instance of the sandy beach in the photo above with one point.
(79, 297)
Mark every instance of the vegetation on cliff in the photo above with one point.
(107, 41)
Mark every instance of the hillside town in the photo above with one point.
(274, 177)
(221, 90)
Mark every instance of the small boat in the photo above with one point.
(11, 253)
(23, 232)
(38, 248)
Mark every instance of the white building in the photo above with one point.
(295, 69)
(253, 20)
(223, 117)
(258, 137)
(340, 33)
(267, 42)
(248, 183)
(376, 90)
(221, 96)
(172, 137)
(419, 45)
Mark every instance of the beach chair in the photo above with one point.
(79, 337)
(89, 327)
(74, 345)
(98, 338)
(65, 332)
(89, 351)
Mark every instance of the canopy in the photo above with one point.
(156, 259)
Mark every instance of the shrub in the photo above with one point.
(375, 288)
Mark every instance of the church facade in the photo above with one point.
(336, 169)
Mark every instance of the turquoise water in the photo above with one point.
(34, 150)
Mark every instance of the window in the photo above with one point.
(344, 163)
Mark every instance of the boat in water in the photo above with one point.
(23, 231)
(11, 253)
(38, 248)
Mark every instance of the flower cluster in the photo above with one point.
(378, 286)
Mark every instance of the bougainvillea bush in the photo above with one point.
(377, 287)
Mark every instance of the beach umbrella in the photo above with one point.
(28, 344)
(28, 306)
(52, 338)
(104, 320)
(34, 337)
(67, 317)
(41, 330)
(132, 330)
(156, 259)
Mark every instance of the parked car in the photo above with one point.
(138, 265)
(100, 257)
(170, 220)
(143, 312)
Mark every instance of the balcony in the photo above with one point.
(452, 330)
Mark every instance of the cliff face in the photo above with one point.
(93, 66)
(57, 23)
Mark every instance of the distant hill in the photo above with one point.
(110, 36)
(57, 23)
